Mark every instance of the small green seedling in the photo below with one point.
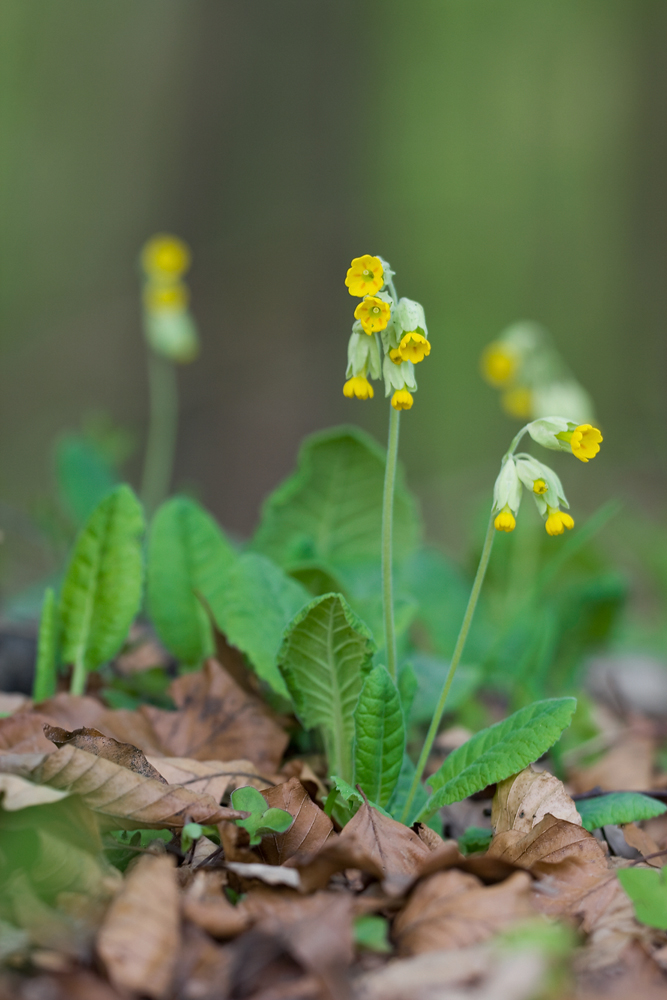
(190, 833)
(261, 820)
(371, 933)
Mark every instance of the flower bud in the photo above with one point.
(507, 488)
(173, 334)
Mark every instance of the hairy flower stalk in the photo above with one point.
(516, 470)
(389, 337)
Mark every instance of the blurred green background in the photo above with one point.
(508, 158)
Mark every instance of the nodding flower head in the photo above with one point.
(365, 276)
(557, 521)
(358, 387)
(158, 297)
(584, 442)
(402, 399)
(559, 434)
(165, 258)
(499, 364)
(395, 356)
(539, 487)
(373, 314)
(414, 347)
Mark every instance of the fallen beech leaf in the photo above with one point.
(310, 830)
(396, 849)
(429, 837)
(206, 906)
(638, 838)
(97, 743)
(71, 710)
(211, 777)
(269, 874)
(215, 720)
(524, 799)
(452, 909)
(23, 732)
(139, 939)
(337, 855)
(300, 769)
(114, 791)
(18, 793)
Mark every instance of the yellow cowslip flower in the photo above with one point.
(358, 386)
(402, 399)
(158, 297)
(584, 441)
(373, 314)
(517, 402)
(539, 487)
(395, 356)
(505, 520)
(365, 276)
(498, 364)
(558, 521)
(165, 258)
(414, 347)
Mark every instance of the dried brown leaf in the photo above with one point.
(215, 720)
(139, 939)
(429, 837)
(23, 732)
(452, 909)
(628, 766)
(391, 845)
(524, 799)
(212, 777)
(308, 833)
(114, 791)
(100, 745)
(18, 793)
(206, 906)
(269, 874)
(642, 841)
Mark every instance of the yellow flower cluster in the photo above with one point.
(389, 336)
(170, 329)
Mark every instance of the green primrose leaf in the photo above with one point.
(252, 605)
(371, 931)
(187, 555)
(647, 888)
(353, 798)
(475, 838)
(44, 684)
(618, 807)
(101, 592)
(499, 751)
(324, 658)
(262, 820)
(402, 790)
(330, 509)
(379, 736)
(84, 476)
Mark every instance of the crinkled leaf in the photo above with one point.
(101, 593)
(324, 657)
(618, 807)
(262, 820)
(252, 606)
(330, 509)
(499, 751)
(187, 555)
(647, 888)
(379, 736)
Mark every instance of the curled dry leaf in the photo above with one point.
(210, 777)
(215, 720)
(97, 743)
(269, 874)
(524, 799)
(627, 767)
(392, 846)
(140, 937)
(112, 790)
(310, 830)
(453, 909)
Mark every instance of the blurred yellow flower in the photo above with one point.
(365, 276)
(414, 347)
(158, 297)
(358, 386)
(165, 258)
(373, 314)
(395, 356)
(402, 399)
(505, 521)
(540, 487)
(517, 402)
(584, 441)
(498, 364)
(558, 521)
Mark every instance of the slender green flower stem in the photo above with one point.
(387, 532)
(159, 458)
(456, 658)
(78, 682)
